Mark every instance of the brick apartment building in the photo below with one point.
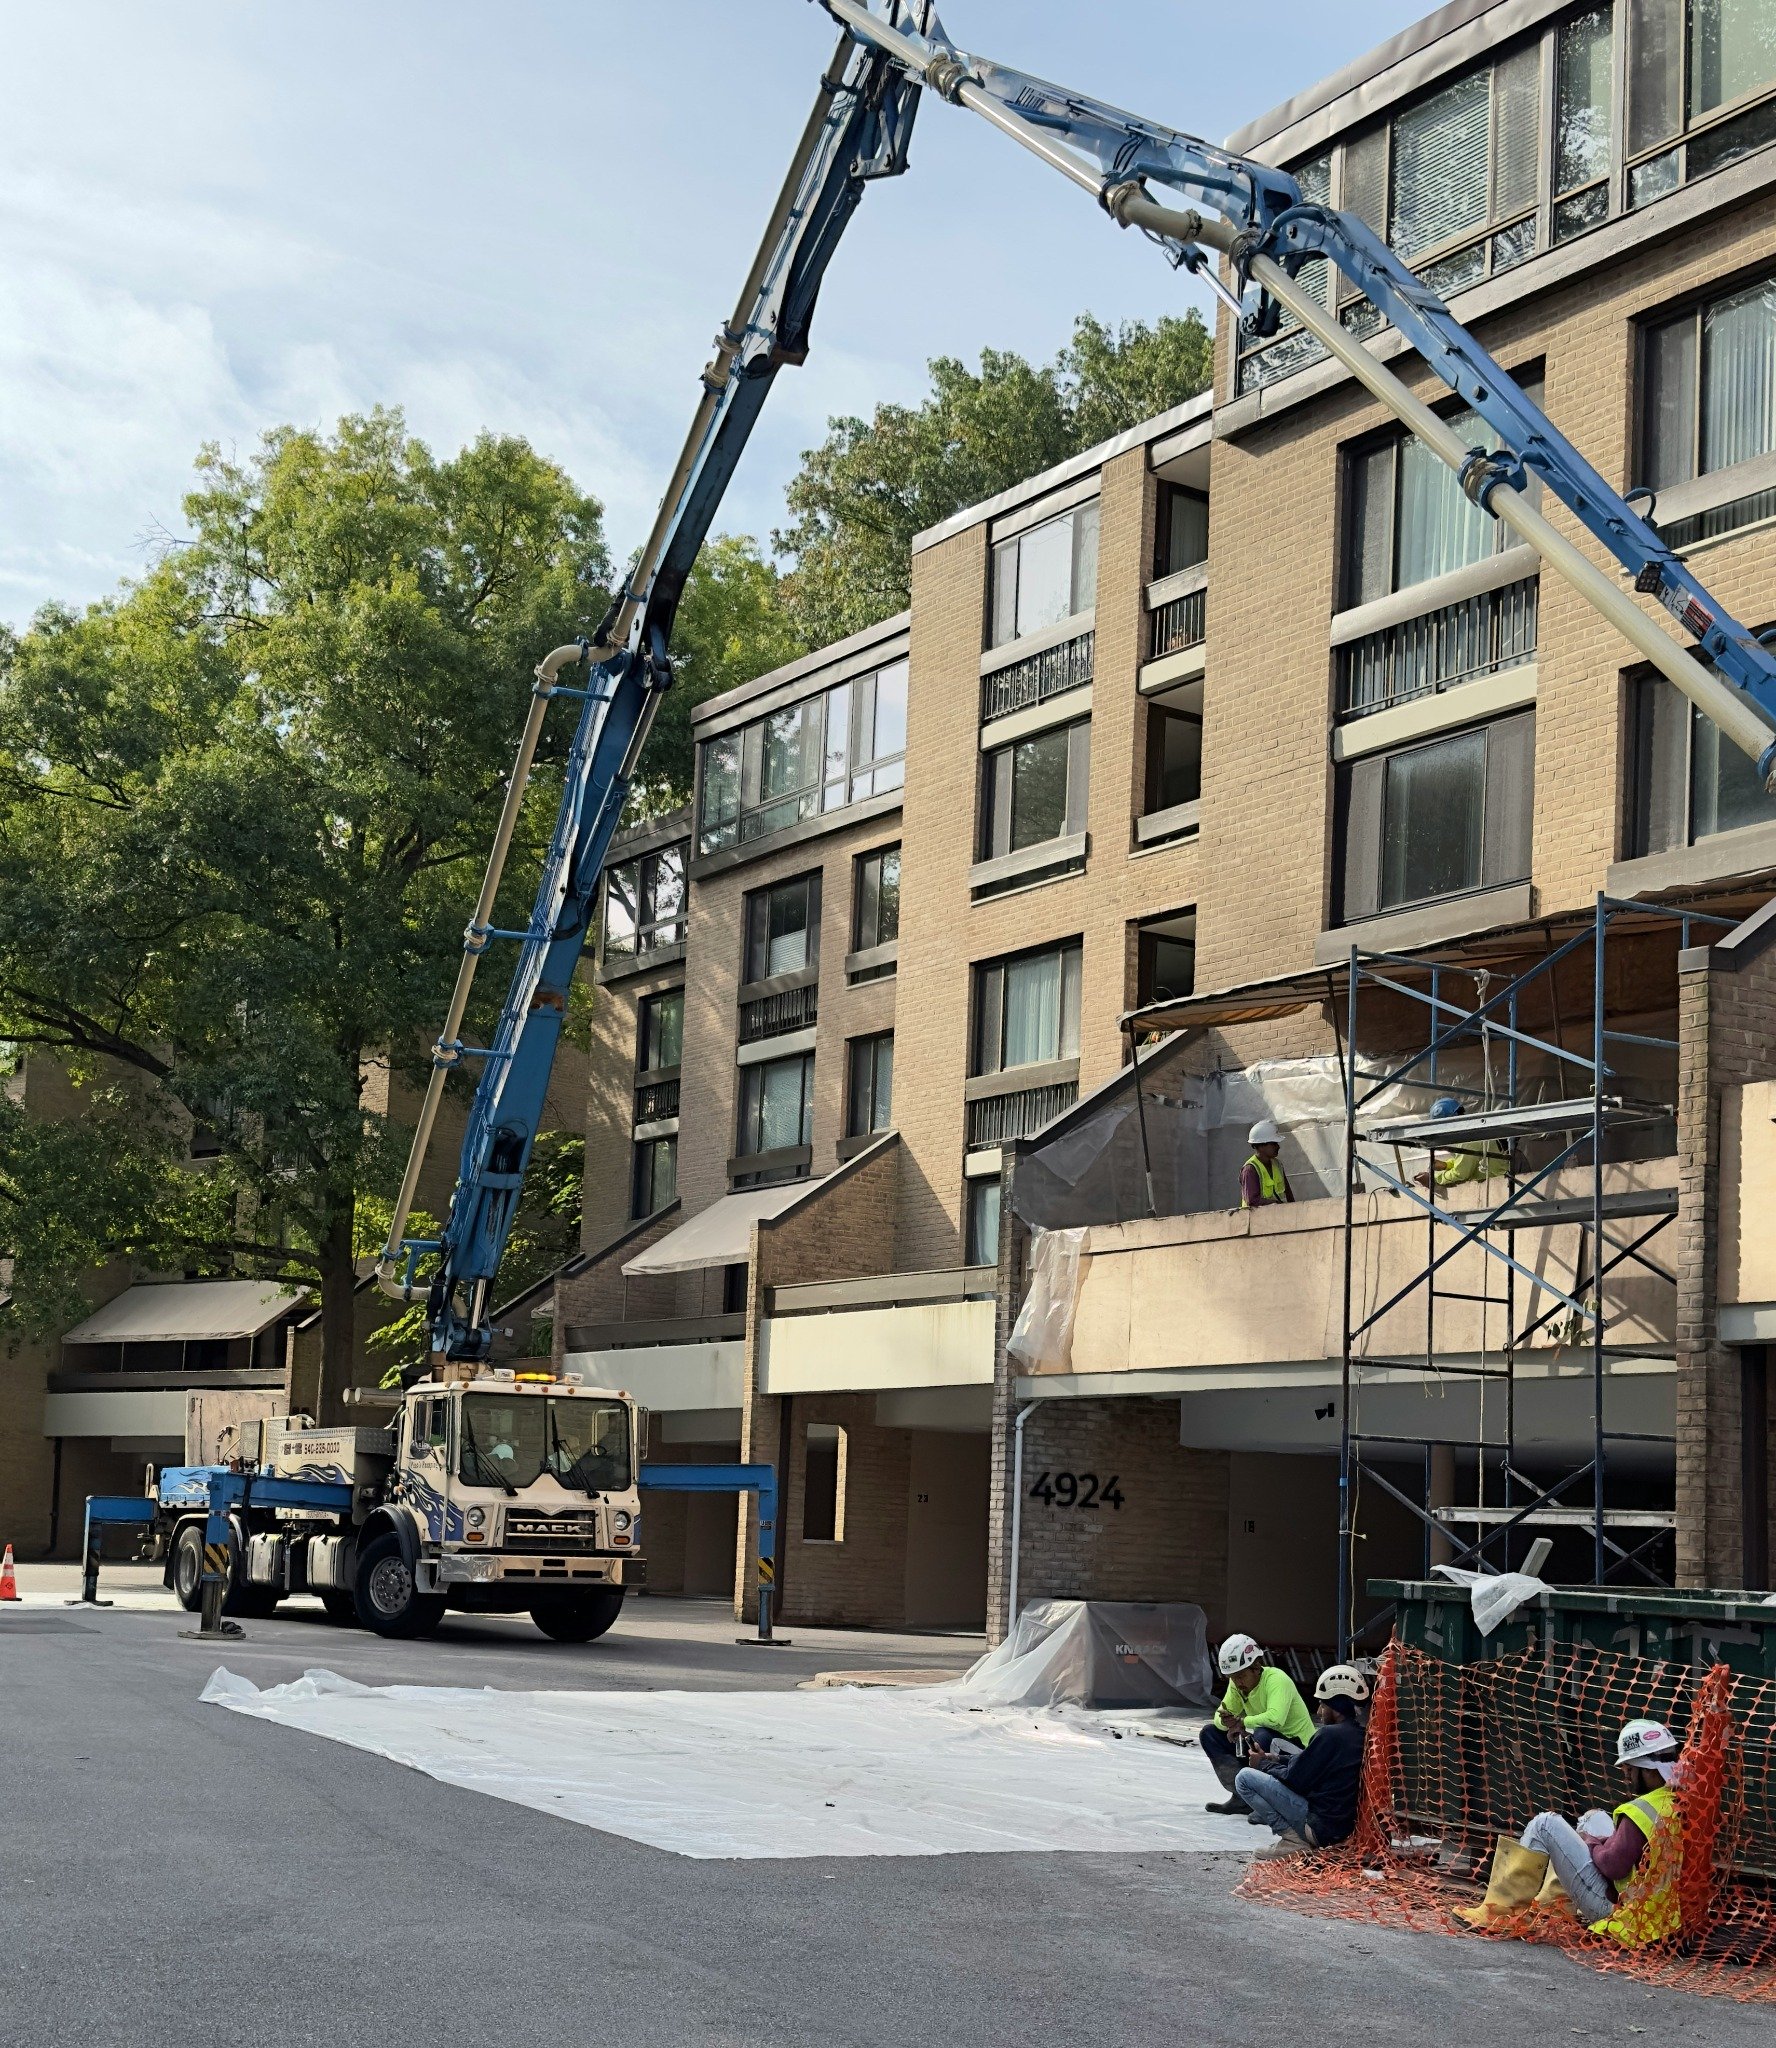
(1170, 730)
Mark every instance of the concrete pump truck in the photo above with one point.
(1244, 228)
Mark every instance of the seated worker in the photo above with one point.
(1479, 1159)
(1262, 1710)
(1623, 1883)
(1311, 1802)
(1262, 1179)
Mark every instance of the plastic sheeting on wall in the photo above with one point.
(846, 1772)
(1042, 1336)
(1097, 1653)
(1094, 1172)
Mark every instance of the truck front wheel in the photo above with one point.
(578, 1617)
(387, 1599)
(188, 1549)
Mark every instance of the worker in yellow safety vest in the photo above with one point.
(1620, 1879)
(1479, 1159)
(1262, 1179)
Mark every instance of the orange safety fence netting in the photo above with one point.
(1459, 1754)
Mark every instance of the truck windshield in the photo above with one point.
(512, 1439)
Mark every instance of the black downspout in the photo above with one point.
(55, 1499)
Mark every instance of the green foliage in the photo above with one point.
(243, 805)
(863, 494)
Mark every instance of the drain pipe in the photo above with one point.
(1017, 1511)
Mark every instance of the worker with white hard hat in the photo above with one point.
(1310, 1800)
(1262, 1179)
(1620, 1880)
(1262, 1711)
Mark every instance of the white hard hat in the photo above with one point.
(1645, 1742)
(1264, 1132)
(1341, 1681)
(1238, 1653)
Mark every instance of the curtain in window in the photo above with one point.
(1433, 820)
(1439, 168)
(1517, 94)
(1739, 378)
(1032, 1009)
(1045, 575)
(1440, 527)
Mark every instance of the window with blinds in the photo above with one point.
(1708, 403)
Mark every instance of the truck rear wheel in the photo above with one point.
(387, 1599)
(188, 1549)
(578, 1617)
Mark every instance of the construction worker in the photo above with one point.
(1482, 1159)
(1262, 1179)
(1261, 1711)
(1622, 1883)
(1311, 1801)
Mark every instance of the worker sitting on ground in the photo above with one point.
(1621, 1881)
(1262, 1711)
(1479, 1159)
(1262, 1179)
(1311, 1801)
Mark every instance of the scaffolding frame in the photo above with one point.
(1577, 1125)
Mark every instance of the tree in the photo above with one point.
(870, 486)
(243, 809)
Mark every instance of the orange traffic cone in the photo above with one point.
(8, 1583)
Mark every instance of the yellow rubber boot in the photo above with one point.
(1553, 1892)
(1517, 1876)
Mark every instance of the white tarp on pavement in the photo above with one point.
(845, 1772)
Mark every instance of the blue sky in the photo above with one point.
(528, 216)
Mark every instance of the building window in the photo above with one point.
(1035, 789)
(823, 1484)
(776, 1105)
(783, 928)
(1026, 1009)
(1688, 783)
(1709, 401)
(1181, 538)
(656, 1175)
(982, 1233)
(1045, 574)
(1406, 516)
(870, 1085)
(875, 917)
(1174, 757)
(1583, 100)
(660, 1033)
(644, 904)
(1165, 964)
(1437, 819)
(1706, 67)
(818, 756)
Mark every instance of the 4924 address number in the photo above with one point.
(1077, 1490)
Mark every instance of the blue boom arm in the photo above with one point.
(1264, 223)
(859, 130)
(1256, 218)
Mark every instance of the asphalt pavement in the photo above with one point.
(174, 1874)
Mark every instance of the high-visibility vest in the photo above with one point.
(1272, 1186)
(1647, 1907)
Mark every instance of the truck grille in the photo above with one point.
(536, 1533)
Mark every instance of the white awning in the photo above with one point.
(720, 1235)
(185, 1311)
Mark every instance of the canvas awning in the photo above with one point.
(720, 1235)
(186, 1311)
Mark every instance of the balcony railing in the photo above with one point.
(1050, 673)
(1458, 643)
(656, 1102)
(1179, 624)
(997, 1119)
(794, 1009)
